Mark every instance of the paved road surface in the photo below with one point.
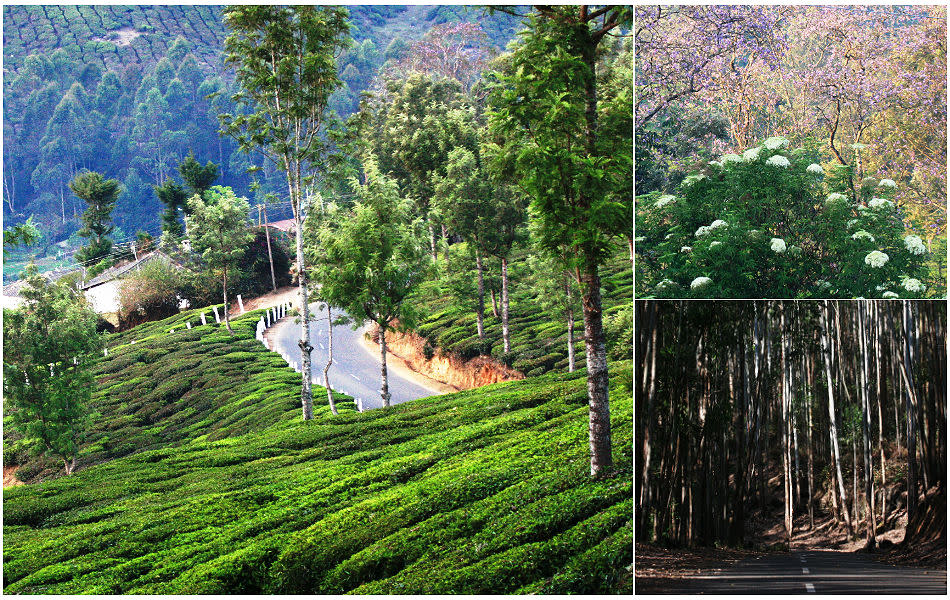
(355, 370)
(820, 572)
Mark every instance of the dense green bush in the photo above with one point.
(771, 223)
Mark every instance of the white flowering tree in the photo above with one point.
(774, 223)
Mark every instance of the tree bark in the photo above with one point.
(224, 288)
(597, 377)
(480, 304)
(570, 327)
(505, 335)
(384, 374)
(270, 257)
(326, 369)
(306, 390)
(832, 420)
(871, 524)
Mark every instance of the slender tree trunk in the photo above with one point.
(306, 390)
(494, 303)
(326, 369)
(505, 335)
(832, 420)
(432, 243)
(480, 305)
(224, 288)
(647, 417)
(786, 437)
(445, 238)
(878, 350)
(870, 522)
(569, 315)
(911, 398)
(270, 257)
(597, 377)
(384, 374)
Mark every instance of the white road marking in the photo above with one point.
(809, 587)
(354, 377)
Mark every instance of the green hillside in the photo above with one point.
(222, 488)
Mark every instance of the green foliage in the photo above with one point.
(764, 225)
(149, 293)
(218, 231)
(48, 347)
(100, 194)
(24, 234)
(216, 485)
(369, 261)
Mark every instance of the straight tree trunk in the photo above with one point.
(224, 288)
(326, 369)
(832, 420)
(306, 390)
(569, 315)
(270, 257)
(494, 304)
(595, 347)
(480, 305)
(505, 334)
(384, 391)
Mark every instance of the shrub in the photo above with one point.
(771, 224)
(148, 294)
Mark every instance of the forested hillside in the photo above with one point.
(123, 90)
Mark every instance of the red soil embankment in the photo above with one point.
(449, 369)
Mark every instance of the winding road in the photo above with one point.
(815, 571)
(355, 370)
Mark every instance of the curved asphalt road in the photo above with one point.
(355, 370)
(815, 571)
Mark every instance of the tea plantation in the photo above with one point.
(200, 477)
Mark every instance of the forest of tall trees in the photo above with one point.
(793, 410)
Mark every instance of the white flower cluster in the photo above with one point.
(815, 168)
(691, 179)
(714, 244)
(778, 161)
(686, 249)
(915, 245)
(664, 200)
(778, 245)
(889, 295)
(666, 283)
(835, 197)
(912, 285)
(705, 229)
(877, 203)
(888, 183)
(862, 235)
(752, 154)
(727, 158)
(700, 282)
(876, 258)
(775, 142)
(639, 239)
(852, 223)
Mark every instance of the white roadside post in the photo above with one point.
(241, 304)
(204, 321)
(217, 319)
(188, 324)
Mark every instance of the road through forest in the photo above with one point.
(814, 571)
(355, 370)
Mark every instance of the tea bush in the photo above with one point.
(226, 490)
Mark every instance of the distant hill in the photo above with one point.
(122, 90)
